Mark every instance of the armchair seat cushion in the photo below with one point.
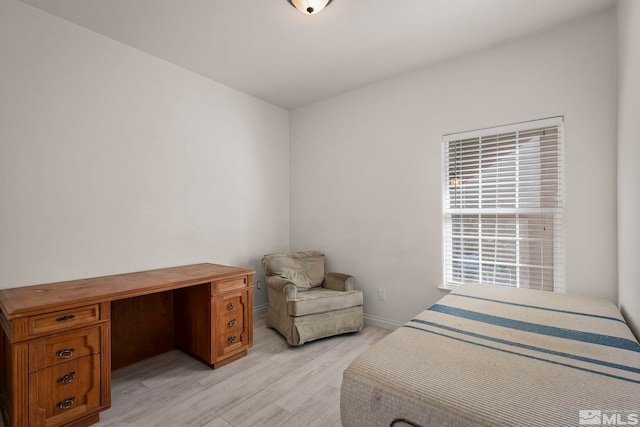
(321, 300)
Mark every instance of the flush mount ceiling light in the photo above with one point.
(310, 7)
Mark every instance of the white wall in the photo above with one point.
(112, 160)
(366, 165)
(629, 161)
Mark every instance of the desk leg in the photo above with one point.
(105, 375)
(14, 396)
(229, 359)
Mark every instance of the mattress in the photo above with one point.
(495, 356)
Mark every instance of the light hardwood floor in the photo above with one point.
(274, 385)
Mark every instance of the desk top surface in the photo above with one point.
(29, 300)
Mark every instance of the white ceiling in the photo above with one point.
(268, 49)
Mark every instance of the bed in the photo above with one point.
(495, 356)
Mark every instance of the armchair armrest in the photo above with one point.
(282, 287)
(339, 282)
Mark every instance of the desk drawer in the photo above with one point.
(49, 351)
(230, 341)
(231, 333)
(231, 321)
(64, 392)
(229, 285)
(232, 303)
(65, 319)
(231, 329)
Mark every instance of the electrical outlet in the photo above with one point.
(382, 294)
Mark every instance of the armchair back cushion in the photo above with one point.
(303, 269)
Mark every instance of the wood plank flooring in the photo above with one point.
(274, 385)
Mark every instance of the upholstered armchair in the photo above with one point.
(305, 303)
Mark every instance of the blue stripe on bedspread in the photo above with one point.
(523, 355)
(528, 347)
(587, 337)
(539, 307)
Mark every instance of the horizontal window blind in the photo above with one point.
(503, 206)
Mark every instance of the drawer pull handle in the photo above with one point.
(230, 306)
(67, 379)
(66, 353)
(231, 339)
(231, 323)
(66, 317)
(66, 404)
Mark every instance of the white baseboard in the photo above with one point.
(382, 322)
(260, 309)
(369, 319)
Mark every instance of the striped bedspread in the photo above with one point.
(495, 356)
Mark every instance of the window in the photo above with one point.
(503, 206)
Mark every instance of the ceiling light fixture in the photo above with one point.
(310, 7)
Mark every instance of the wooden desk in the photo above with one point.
(59, 341)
